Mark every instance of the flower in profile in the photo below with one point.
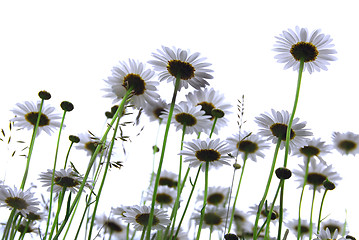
(28, 112)
(184, 114)
(214, 217)
(155, 109)
(346, 143)
(168, 179)
(210, 99)
(326, 235)
(247, 143)
(29, 227)
(139, 216)
(165, 196)
(89, 143)
(294, 227)
(333, 225)
(317, 174)
(62, 179)
(315, 49)
(134, 76)
(215, 196)
(111, 226)
(175, 62)
(22, 201)
(274, 126)
(313, 148)
(198, 151)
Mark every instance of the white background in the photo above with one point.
(69, 47)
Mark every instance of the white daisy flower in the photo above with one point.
(317, 173)
(139, 216)
(346, 143)
(274, 126)
(326, 235)
(30, 228)
(214, 217)
(120, 211)
(27, 114)
(215, 195)
(315, 49)
(165, 196)
(294, 227)
(210, 99)
(88, 143)
(191, 116)
(62, 178)
(168, 179)
(155, 109)
(111, 226)
(333, 225)
(313, 148)
(23, 201)
(132, 75)
(247, 143)
(177, 62)
(198, 151)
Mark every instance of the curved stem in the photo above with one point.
(269, 214)
(301, 199)
(320, 211)
(203, 210)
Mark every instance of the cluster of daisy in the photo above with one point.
(163, 209)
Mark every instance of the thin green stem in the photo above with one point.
(8, 224)
(299, 233)
(60, 201)
(311, 214)
(266, 190)
(31, 147)
(67, 155)
(269, 214)
(170, 113)
(320, 210)
(237, 192)
(203, 210)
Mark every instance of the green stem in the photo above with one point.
(55, 223)
(68, 154)
(301, 199)
(266, 190)
(311, 214)
(170, 113)
(91, 162)
(203, 211)
(320, 211)
(8, 224)
(31, 146)
(269, 214)
(237, 192)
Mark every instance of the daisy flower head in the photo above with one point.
(213, 151)
(139, 216)
(210, 99)
(333, 225)
(165, 196)
(184, 114)
(111, 225)
(215, 196)
(173, 63)
(132, 75)
(274, 127)
(155, 109)
(313, 148)
(264, 212)
(247, 143)
(22, 201)
(62, 179)
(315, 49)
(89, 143)
(317, 174)
(346, 143)
(294, 227)
(168, 179)
(28, 112)
(326, 235)
(214, 217)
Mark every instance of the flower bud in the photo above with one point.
(74, 138)
(328, 184)
(283, 173)
(44, 95)
(67, 106)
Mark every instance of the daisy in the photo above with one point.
(88, 143)
(241, 223)
(247, 143)
(214, 217)
(264, 212)
(190, 116)
(168, 179)
(274, 126)
(132, 75)
(326, 235)
(27, 114)
(62, 178)
(313, 148)
(210, 99)
(304, 227)
(175, 62)
(111, 225)
(120, 211)
(139, 215)
(333, 225)
(215, 196)
(165, 196)
(317, 173)
(315, 49)
(346, 143)
(23, 202)
(155, 109)
(30, 228)
(215, 152)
